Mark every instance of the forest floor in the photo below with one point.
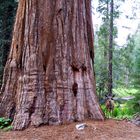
(107, 130)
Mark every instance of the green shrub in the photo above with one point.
(5, 123)
(134, 104)
(119, 112)
(124, 109)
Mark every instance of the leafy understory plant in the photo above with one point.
(119, 113)
(5, 124)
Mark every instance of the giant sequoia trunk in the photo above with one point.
(48, 76)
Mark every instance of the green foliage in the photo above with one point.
(102, 39)
(124, 92)
(120, 112)
(5, 124)
(133, 104)
(125, 109)
(103, 9)
(136, 72)
(123, 64)
(126, 65)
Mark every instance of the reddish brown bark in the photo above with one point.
(48, 77)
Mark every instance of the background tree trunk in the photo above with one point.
(110, 82)
(48, 76)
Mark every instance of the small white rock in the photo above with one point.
(80, 126)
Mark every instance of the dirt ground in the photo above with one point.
(107, 130)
